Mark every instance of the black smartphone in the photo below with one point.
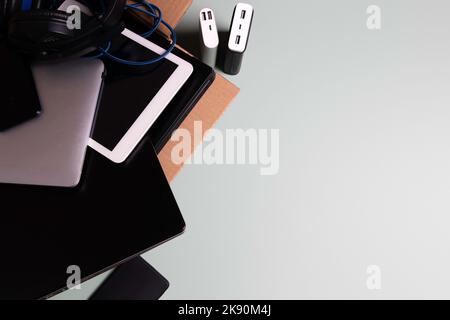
(133, 280)
(19, 99)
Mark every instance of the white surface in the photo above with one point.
(154, 109)
(365, 160)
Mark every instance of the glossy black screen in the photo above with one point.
(117, 212)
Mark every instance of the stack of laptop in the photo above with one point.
(80, 181)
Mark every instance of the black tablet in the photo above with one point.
(184, 101)
(118, 213)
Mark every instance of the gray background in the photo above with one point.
(364, 152)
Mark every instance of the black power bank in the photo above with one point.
(238, 38)
(19, 98)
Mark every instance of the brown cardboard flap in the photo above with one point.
(173, 10)
(208, 110)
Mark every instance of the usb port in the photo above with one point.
(204, 16)
(243, 13)
(210, 15)
(238, 39)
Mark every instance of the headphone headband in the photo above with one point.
(113, 13)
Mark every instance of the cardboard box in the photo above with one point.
(210, 107)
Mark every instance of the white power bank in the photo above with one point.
(209, 37)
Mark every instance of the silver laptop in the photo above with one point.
(50, 149)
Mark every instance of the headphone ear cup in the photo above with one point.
(39, 27)
(44, 34)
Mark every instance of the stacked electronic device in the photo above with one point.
(79, 176)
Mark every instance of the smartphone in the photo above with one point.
(19, 100)
(132, 280)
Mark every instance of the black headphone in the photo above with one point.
(37, 29)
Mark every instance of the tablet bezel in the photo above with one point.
(153, 110)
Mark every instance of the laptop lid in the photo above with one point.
(50, 149)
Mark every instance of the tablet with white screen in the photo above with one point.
(124, 118)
